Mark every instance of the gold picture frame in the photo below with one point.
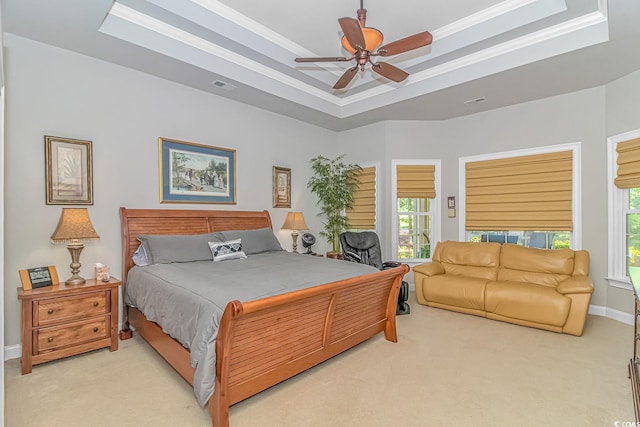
(69, 171)
(281, 187)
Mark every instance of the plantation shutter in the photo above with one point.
(362, 215)
(628, 164)
(520, 193)
(416, 181)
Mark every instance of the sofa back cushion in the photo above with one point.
(542, 266)
(479, 260)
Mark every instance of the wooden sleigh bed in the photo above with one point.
(263, 342)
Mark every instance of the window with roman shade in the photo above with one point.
(531, 192)
(416, 220)
(623, 156)
(628, 175)
(362, 216)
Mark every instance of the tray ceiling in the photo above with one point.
(245, 50)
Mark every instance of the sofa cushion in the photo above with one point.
(540, 266)
(527, 301)
(457, 291)
(477, 260)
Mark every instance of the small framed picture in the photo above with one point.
(39, 277)
(69, 176)
(281, 187)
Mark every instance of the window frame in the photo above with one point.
(435, 205)
(576, 199)
(617, 211)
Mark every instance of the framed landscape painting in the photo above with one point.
(196, 173)
(68, 170)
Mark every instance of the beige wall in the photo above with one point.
(56, 92)
(123, 112)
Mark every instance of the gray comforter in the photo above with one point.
(187, 299)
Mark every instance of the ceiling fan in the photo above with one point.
(362, 41)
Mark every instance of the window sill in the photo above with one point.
(620, 282)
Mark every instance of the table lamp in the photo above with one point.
(73, 228)
(294, 222)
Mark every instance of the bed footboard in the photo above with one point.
(261, 343)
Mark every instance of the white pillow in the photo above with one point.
(140, 257)
(231, 249)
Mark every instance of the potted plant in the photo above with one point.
(334, 182)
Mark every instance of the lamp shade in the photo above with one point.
(372, 39)
(74, 225)
(295, 221)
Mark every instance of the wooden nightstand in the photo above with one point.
(65, 320)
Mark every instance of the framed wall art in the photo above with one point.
(281, 187)
(196, 173)
(69, 171)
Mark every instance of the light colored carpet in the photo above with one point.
(447, 369)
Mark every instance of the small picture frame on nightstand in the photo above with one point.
(39, 277)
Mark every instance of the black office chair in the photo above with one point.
(364, 248)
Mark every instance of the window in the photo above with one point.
(526, 197)
(624, 207)
(530, 239)
(416, 223)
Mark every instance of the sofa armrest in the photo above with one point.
(429, 268)
(576, 285)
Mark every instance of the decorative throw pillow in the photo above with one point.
(140, 257)
(231, 249)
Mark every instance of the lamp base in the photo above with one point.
(74, 249)
(75, 280)
(294, 236)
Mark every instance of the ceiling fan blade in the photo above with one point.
(346, 78)
(353, 32)
(389, 71)
(408, 43)
(323, 59)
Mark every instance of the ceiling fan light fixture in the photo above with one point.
(373, 39)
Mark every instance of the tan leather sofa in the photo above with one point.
(542, 288)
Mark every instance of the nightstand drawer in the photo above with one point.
(74, 334)
(81, 306)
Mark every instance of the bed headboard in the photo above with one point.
(136, 222)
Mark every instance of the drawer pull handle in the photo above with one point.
(95, 304)
(50, 339)
(95, 329)
(50, 311)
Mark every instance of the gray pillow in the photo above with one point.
(165, 249)
(254, 241)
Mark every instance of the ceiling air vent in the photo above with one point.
(223, 85)
(476, 101)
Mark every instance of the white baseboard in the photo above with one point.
(12, 352)
(15, 351)
(612, 313)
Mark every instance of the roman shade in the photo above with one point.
(527, 193)
(628, 175)
(362, 216)
(416, 181)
